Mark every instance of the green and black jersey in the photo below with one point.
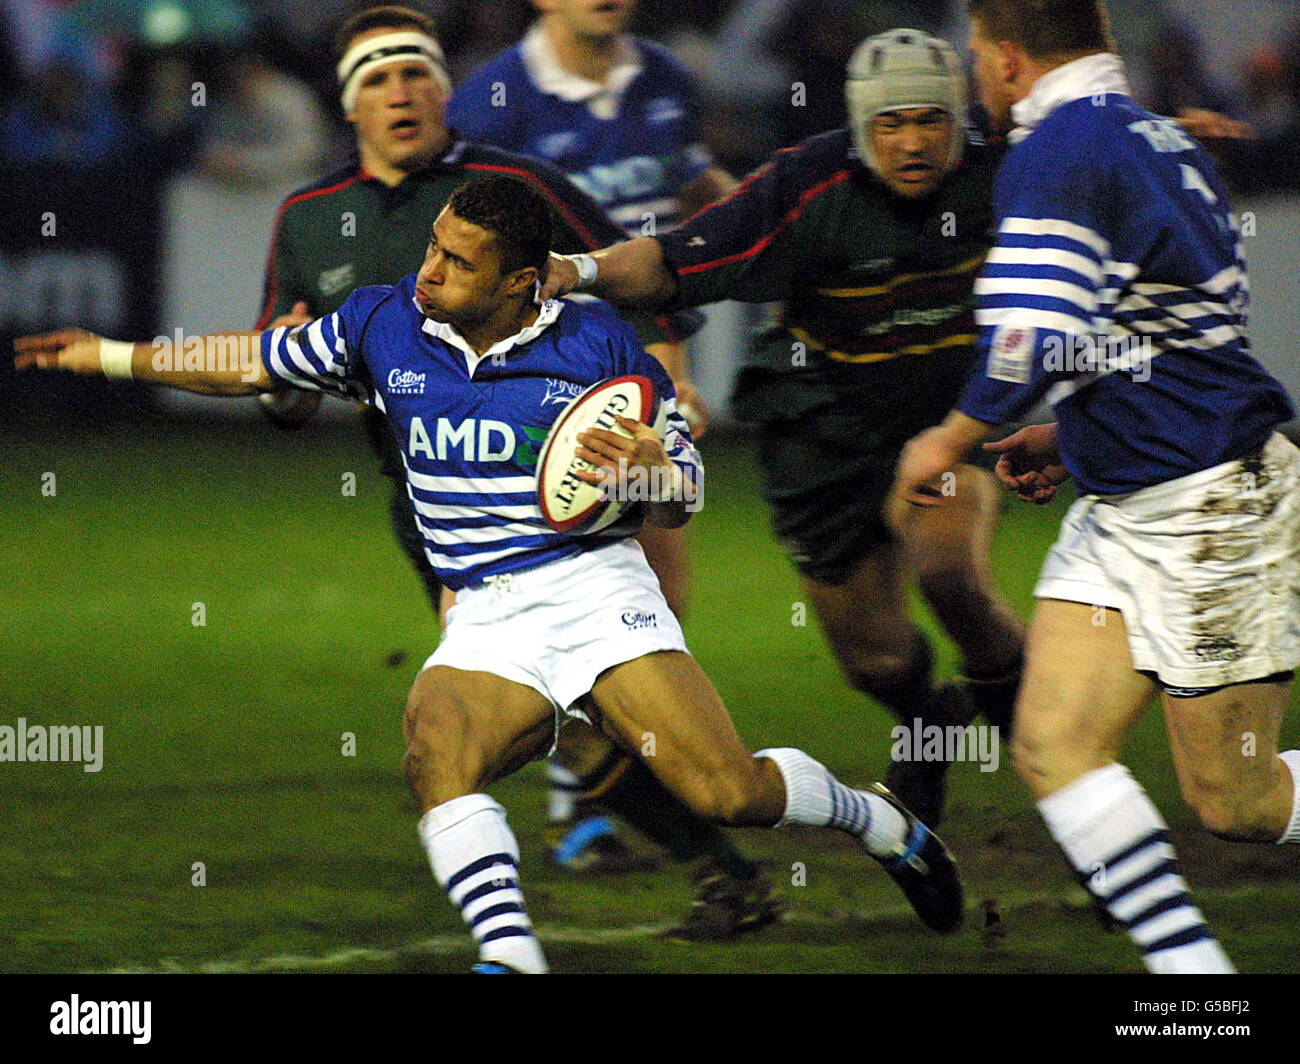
(876, 292)
(349, 229)
(874, 337)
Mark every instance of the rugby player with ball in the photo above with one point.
(546, 623)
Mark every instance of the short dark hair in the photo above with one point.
(1046, 29)
(512, 211)
(381, 16)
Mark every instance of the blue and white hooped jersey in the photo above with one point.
(630, 145)
(470, 427)
(1117, 289)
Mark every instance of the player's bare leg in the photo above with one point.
(1079, 698)
(663, 706)
(590, 775)
(1225, 748)
(948, 547)
(884, 655)
(463, 730)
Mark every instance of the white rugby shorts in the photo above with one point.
(1205, 569)
(559, 626)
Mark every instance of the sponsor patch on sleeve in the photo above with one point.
(1011, 353)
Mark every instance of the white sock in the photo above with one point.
(476, 859)
(813, 796)
(1119, 845)
(1291, 758)
(563, 794)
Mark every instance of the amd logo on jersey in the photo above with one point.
(477, 440)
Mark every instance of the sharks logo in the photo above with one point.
(560, 392)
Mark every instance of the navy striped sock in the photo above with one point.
(475, 857)
(814, 796)
(1120, 847)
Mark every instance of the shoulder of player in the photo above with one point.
(659, 61)
(1079, 128)
(479, 156)
(337, 180)
(591, 317)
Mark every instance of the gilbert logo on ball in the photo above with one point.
(568, 503)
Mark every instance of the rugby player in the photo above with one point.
(872, 236)
(462, 352)
(365, 223)
(618, 115)
(1117, 291)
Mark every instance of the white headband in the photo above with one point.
(365, 56)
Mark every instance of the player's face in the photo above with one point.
(399, 116)
(460, 280)
(590, 18)
(991, 78)
(912, 148)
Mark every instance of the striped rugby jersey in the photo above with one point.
(1117, 289)
(470, 427)
(630, 144)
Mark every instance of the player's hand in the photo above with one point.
(561, 278)
(299, 315)
(70, 349)
(918, 478)
(1206, 125)
(615, 455)
(1030, 463)
(690, 404)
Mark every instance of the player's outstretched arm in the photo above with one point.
(227, 363)
(632, 274)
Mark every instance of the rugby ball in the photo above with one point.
(568, 503)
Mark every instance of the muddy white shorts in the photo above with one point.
(1205, 569)
(559, 626)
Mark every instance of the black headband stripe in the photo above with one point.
(384, 53)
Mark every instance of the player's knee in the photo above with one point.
(1043, 757)
(439, 759)
(874, 671)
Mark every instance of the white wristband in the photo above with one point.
(673, 491)
(587, 270)
(115, 358)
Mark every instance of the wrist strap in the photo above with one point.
(115, 359)
(587, 270)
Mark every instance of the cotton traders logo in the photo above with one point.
(637, 619)
(405, 382)
(560, 391)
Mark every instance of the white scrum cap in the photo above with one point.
(899, 69)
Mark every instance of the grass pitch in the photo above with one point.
(224, 743)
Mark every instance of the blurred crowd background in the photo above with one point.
(106, 104)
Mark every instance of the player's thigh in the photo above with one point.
(668, 552)
(954, 536)
(664, 708)
(1224, 743)
(465, 728)
(865, 618)
(1080, 694)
